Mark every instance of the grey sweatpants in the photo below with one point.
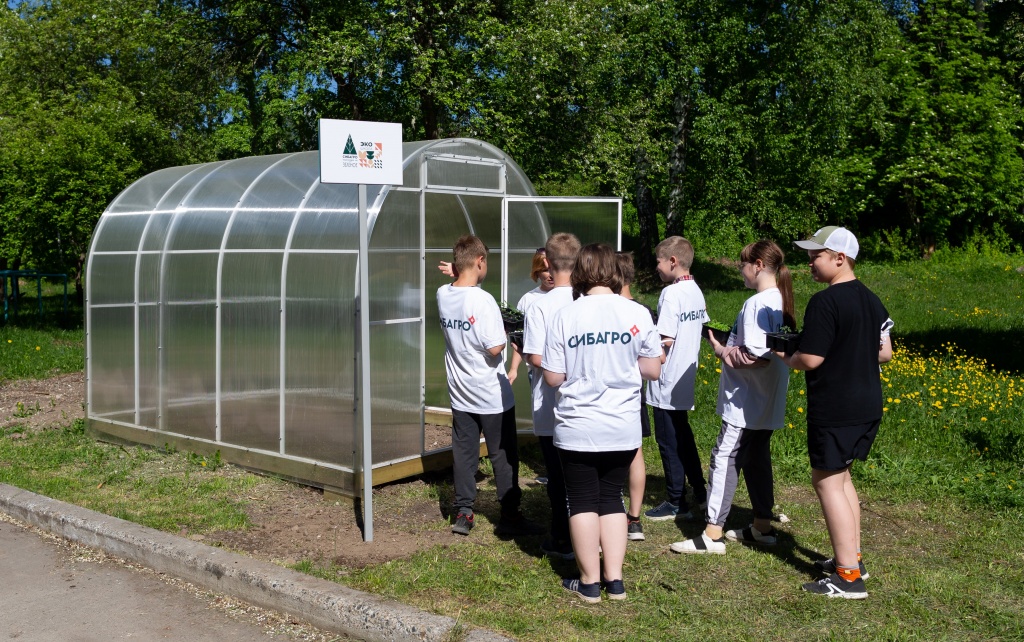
(749, 451)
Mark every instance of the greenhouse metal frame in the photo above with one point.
(222, 304)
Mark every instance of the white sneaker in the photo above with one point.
(751, 535)
(700, 545)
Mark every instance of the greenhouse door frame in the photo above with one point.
(547, 233)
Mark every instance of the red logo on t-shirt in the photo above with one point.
(472, 320)
(634, 331)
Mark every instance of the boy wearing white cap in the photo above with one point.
(845, 337)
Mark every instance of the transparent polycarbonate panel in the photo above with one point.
(394, 285)
(591, 222)
(317, 230)
(250, 350)
(259, 230)
(198, 230)
(320, 335)
(445, 221)
(149, 359)
(147, 192)
(397, 225)
(190, 278)
(251, 374)
(286, 184)
(435, 376)
(112, 279)
(413, 161)
(225, 188)
(463, 174)
(190, 375)
(149, 278)
(527, 230)
(516, 182)
(334, 196)
(395, 384)
(156, 233)
(485, 213)
(112, 360)
(178, 192)
(120, 233)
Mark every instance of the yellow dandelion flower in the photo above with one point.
(799, 409)
(37, 348)
(984, 418)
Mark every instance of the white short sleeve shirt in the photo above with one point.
(538, 319)
(681, 313)
(471, 323)
(596, 341)
(755, 398)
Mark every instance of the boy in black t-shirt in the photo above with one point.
(845, 337)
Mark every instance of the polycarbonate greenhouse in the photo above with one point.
(222, 303)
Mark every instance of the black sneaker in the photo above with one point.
(634, 529)
(514, 524)
(463, 523)
(615, 590)
(561, 550)
(662, 512)
(590, 593)
(835, 586)
(828, 567)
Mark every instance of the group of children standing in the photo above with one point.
(588, 348)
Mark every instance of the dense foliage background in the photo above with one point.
(724, 120)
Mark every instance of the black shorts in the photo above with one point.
(835, 447)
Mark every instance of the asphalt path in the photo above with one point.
(51, 591)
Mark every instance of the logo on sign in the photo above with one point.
(366, 154)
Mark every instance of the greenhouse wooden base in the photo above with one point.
(336, 482)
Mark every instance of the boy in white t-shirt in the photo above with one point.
(481, 395)
(681, 313)
(560, 253)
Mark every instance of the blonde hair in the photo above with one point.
(561, 250)
(678, 247)
(467, 250)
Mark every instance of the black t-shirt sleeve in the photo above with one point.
(819, 326)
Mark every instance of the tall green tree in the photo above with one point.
(952, 165)
(92, 95)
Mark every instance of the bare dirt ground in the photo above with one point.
(43, 403)
(290, 522)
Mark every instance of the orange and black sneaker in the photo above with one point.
(828, 567)
(835, 586)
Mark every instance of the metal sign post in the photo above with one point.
(362, 153)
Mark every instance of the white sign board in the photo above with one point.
(354, 151)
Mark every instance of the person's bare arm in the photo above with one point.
(650, 367)
(513, 364)
(553, 379)
(496, 350)
(885, 350)
(532, 359)
(801, 361)
(735, 356)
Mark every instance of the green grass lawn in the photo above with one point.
(942, 505)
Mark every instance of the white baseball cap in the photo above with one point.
(833, 237)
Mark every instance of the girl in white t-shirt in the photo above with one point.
(751, 402)
(596, 353)
(541, 274)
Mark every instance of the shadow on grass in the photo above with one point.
(24, 312)
(1001, 349)
(786, 548)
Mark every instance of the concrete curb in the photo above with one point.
(324, 604)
